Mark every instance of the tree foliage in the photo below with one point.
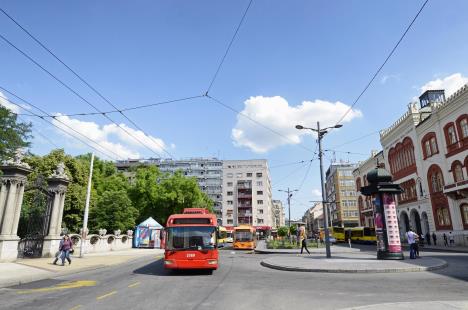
(13, 134)
(283, 231)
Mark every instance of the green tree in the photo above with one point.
(114, 210)
(293, 229)
(13, 134)
(160, 195)
(283, 231)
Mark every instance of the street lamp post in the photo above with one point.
(289, 192)
(320, 134)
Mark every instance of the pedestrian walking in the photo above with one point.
(417, 241)
(434, 238)
(411, 237)
(445, 240)
(66, 248)
(451, 239)
(303, 237)
(59, 252)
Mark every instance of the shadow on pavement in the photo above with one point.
(157, 269)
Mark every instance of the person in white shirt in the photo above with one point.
(411, 237)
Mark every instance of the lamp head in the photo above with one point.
(299, 127)
(338, 126)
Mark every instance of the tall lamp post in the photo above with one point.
(320, 133)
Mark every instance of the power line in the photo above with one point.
(288, 164)
(228, 47)
(354, 140)
(384, 63)
(89, 85)
(77, 94)
(346, 152)
(256, 122)
(39, 133)
(60, 128)
(291, 174)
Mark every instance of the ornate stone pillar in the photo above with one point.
(58, 183)
(13, 181)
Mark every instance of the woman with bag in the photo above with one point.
(59, 252)
(66, 248)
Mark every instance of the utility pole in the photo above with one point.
(320, 134)
(85, 217)
(289, 192)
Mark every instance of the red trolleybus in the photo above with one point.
(191, 240)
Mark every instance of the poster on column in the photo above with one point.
(391, 221)
(378, 223)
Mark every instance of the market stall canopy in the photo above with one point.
(150, 223)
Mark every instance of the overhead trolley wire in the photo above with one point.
(90, 86)
(385, 62)
(228, 48)
(75, 93)
(60, 128)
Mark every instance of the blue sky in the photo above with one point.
(300, 61)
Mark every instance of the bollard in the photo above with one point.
(349, 242)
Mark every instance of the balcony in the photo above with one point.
(457, 190)
(244, 185)
(244, 195)
(244, 205)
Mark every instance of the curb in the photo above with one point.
(312, 252)
(389, 270)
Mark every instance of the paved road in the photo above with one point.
(240, 283)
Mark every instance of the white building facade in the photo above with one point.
(278, 214)
(247, 197)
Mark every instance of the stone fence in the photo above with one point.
(102, 243)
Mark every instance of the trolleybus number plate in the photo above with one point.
(190, 255)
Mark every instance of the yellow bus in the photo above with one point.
(363, 235)
(222, 236)
(337, 233)
(245, 237)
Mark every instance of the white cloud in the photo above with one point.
(13, 108)
(278, 115)
(316, 192)
(389, 77)
(110, 137)
(450, 83)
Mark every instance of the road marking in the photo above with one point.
(76, 307)
(106, 295)
(61, 286)
(134, 284)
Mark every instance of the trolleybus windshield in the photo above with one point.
(191, 238)
(243, 235)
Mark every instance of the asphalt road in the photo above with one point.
(239, 283)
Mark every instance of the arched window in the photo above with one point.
(464, 213)
(457, 171)
(443, 216)
(435, 179)
(450, 134)
(462, 126)
(358, 184)
(429, 145)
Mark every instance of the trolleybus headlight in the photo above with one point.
(168, 262)
(212, 262)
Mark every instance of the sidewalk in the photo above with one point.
(335, 249)
(34, 269)
(351, 263)
(442, 248)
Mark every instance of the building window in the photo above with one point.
(259, 202)
(229, 193)
(457, 170)
(443, 217)
(259, 174)
(259, 192)
(260, 221)
(260, 211)
(229, 175)
(464, 212)
(229, 184)
(249, 174)
(230, 202)
(239, 175)
(464, 128)
(436, 182)
(451, 135)
(229, 222)
(259, 183)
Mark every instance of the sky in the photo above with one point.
(292, 62)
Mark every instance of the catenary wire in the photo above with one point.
(60, 128)
(84, 81)
(76, 93)
(228, 48)
(384, 63)
(38, 132)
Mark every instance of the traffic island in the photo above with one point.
(355, 263)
